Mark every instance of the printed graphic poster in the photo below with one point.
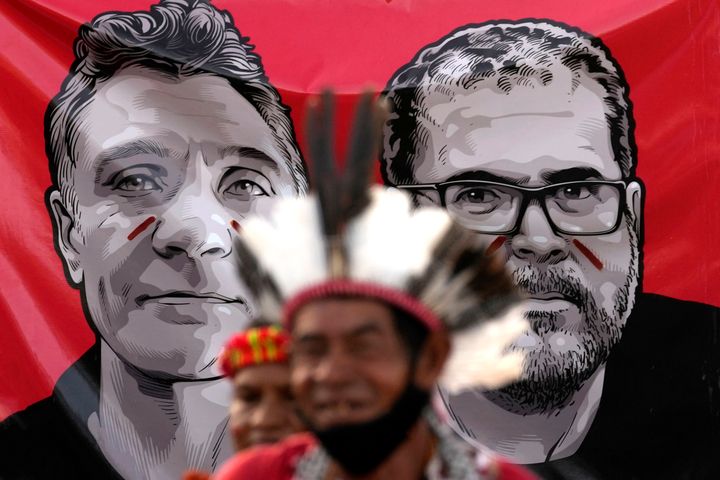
(582, 141)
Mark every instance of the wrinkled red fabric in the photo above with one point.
(667, 48)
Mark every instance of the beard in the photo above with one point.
(550, 378)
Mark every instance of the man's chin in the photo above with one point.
(172, 366)
(180, 357)
(265, 440)
(557, 364)
(550, 346)
(170, 340)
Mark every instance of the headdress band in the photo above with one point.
(345, 287)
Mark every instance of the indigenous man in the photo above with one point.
(262, 409)
(372, 303)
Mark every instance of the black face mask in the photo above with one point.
(361, 447)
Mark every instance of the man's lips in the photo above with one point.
(339, 405)
(341, 410)
(552, 300)
(181, 297)
(264, 439)
(547, 296)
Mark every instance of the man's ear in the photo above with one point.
(432, 358)
(633, 198)
(66, 239)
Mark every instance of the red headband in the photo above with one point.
(343, 287)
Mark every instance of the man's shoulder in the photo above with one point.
(32, 439)
(661, 387)
(661, 327)
(50, 438)
(667, 358)
(74, 395)
(276, 461)
(660, 312)
(22, 426)
(26, 425)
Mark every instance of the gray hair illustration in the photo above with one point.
(500, 55)
(177, 39)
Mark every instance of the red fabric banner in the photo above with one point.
(669, 51)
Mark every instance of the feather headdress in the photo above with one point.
(348, 238)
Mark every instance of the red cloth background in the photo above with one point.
(669, 50)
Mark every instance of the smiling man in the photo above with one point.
(372, 338)
(371, 319)
(263, 409)
(524, 132)
(165, 135)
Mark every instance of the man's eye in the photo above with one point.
(363, 348)
(137, 183)
(246, 396)
(477, 195)
(424, 198)
(309, 351)
(245, 189)
(286, 394)
(575, 192)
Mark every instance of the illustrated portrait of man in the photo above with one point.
(164, 136)
(524, 131)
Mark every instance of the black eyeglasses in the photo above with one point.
(589, 207)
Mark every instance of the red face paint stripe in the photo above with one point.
(141, 228)
(590, 256)
(235, 225)
(495, 245)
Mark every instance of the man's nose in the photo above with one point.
(195, 224)
(268, 415)
(536, 241)
(334, 370)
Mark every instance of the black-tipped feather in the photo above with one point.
(323, 172)
(364, 145)
(259, 282)
(482, 287)
(342, 196)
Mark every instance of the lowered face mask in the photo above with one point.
(359, 448)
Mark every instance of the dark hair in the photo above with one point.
(411, 331)
(177, 39)
(501, 55)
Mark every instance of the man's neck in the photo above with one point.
(530, 438)
(150, 428)
(408, 461)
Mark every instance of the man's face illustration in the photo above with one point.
(581, 287)
(166, 170)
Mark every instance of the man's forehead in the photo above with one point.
(526, 133)
(341, 318)
(139, 104)
(171, 147)
(277, 374)
(486, 101)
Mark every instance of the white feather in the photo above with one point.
(479, 356)
(391, 241)
(289, 244)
